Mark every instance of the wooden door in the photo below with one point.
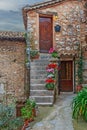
(45, 34)
(66, 76)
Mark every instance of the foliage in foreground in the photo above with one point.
(79, 105)
(26, 111)
(8, 121)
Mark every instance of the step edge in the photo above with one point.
(42, 90)
(42, 96)
(37, 84)
(47, 103)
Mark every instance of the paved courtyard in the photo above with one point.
(61, 116)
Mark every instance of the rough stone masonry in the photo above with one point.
(12, 67)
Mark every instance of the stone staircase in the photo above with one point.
(38, 76)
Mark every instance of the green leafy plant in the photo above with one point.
(79, 105)
(33, 104)
(8, 121)
(30, 37)
(26, 111)
(26, 114)
(30, 103)
(53, 53)
(80, 70)
(50, 86)
(50, 83)
(34, 53)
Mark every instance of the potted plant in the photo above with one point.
(52, 66)
(50, 81)
(33, 105)
(50, 84)
(34, 54)
(26, 113)
(53, 53)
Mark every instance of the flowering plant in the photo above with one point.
(50, 70)
(50, 83)
(50, 80)
(52, 65)
(53, 52)
(50, 76)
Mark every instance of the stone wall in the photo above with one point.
(12, 70)
(85, 66)
(72, 19)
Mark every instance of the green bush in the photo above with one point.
(26, 111)
(8, 120)
(79, 105)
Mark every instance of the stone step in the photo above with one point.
(45, 56)
(38, 76)
(37, 87)
(43, 99)
(44, 104)
(38, 71)
(41, 72)
(37, 81)
(42, 57)
(42, 63)
(41, 93)
(36, 67)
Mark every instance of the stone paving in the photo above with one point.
(61, 116)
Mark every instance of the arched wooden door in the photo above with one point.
(66, 76)
(45, 34)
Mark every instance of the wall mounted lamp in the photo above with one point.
(55, 17)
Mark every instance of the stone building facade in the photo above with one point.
(12, 67)
(71, 16)
(68, 15)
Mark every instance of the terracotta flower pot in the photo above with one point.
(78, 88)
(35, 57)
(34, 112)
(26, 123)
(31, 119)
(50, 89)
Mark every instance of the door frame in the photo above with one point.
(46, 16)
(73, 74)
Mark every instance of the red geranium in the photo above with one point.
(50, 80)
(52, 65)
